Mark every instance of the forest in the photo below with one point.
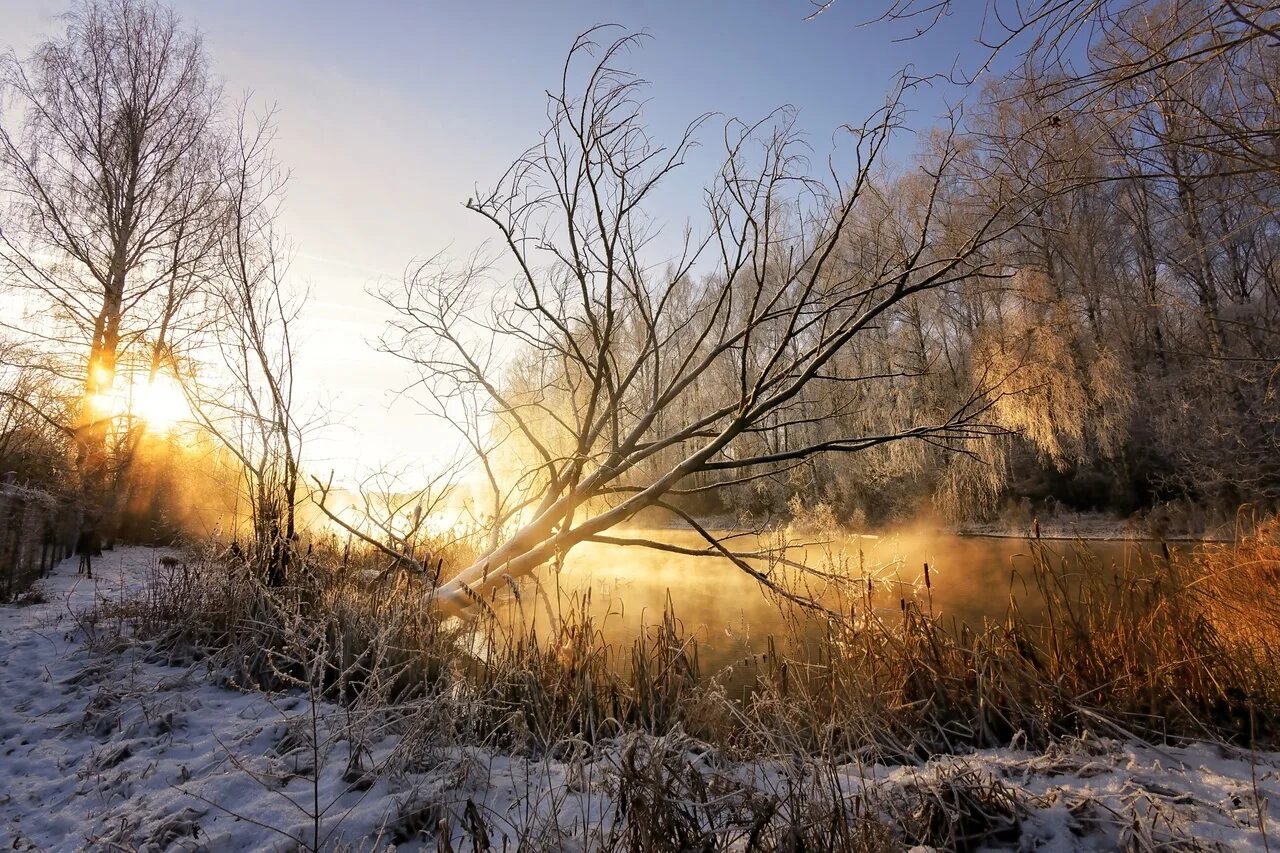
(1058, 301)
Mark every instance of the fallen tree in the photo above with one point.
(602, 384)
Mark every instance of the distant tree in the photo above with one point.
(1079, 52)
(1146, 130)
(34, 437)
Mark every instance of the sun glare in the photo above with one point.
(161, 404)
(102, 375)
(104, 405)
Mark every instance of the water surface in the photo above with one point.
(972, 579)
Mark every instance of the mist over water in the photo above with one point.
(732, 617)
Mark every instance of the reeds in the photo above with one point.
(1170, 646)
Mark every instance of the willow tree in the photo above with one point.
(103, 169)
(610, 380)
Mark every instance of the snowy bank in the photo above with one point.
(106, 746)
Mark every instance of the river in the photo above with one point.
(972, 579)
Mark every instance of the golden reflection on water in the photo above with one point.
(731, 616)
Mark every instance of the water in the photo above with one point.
(972, 578)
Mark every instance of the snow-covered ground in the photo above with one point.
(102, 748)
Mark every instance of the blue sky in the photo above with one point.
(392, 112)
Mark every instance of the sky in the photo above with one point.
(392, 113)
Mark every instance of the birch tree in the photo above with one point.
(102, 176)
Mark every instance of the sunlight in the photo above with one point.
(104, 405)
(103, 376)
(161, 404)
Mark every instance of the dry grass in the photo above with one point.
(1165, 647)
(1171, 647)
(1238, 586)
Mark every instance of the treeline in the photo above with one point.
(1128, 344)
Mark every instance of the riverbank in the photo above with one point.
(114, 739)
(1087, 526)
(1100, 527)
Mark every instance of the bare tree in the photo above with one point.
(245, 398)
(174, 316)
(612, 384)
(1079, 52)
(395, 520)
(34, 436)
(105, 174)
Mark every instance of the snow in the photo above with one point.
(104, 747)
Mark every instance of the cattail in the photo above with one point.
(928, 584)
(514, 587)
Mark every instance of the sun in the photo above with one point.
(161, 404)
